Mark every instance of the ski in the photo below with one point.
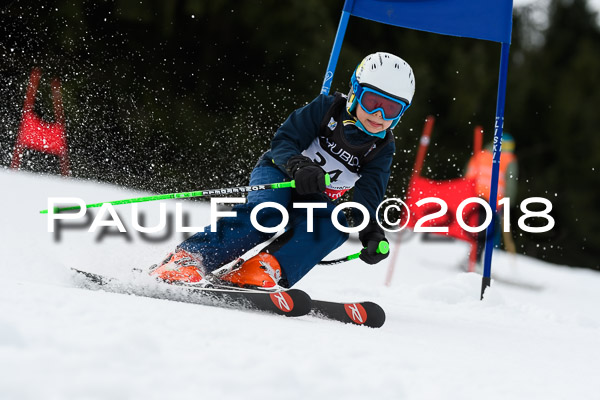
(288, 302)
(361, 313)
(364, 313)
(291, 302)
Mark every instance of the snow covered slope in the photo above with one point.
(439, 342)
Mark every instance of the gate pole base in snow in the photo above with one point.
(486, 281)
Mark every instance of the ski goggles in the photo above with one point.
(372, 100)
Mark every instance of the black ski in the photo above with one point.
(291, 302)
(365, 313)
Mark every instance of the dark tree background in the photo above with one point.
(186, 94)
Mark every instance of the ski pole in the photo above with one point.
(184, 195)
(382, 248)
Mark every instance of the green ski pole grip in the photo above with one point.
(384, 247)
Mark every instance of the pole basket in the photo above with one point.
(38, 135)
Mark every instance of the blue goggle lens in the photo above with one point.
(372, 101)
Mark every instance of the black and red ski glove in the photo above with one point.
(309, 176)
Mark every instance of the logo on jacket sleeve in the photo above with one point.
(332, 124)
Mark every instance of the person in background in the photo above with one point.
(479, 168)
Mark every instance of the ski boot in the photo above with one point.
(180, 267)
(261, 271)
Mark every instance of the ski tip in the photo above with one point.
(375, 314)
(302, 302)
(364, 313)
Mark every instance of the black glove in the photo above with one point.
(309, 176)
(370, 238)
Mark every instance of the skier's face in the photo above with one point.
(373, 122)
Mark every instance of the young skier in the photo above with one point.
(350, 138)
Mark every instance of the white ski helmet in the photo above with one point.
(385, 74)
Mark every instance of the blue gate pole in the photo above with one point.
(499, 123)
(337, 46)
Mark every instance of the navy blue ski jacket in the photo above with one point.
(302, 127)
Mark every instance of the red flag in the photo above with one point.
(452, 192)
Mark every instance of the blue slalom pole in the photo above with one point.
(497, 151)
(337, 46)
